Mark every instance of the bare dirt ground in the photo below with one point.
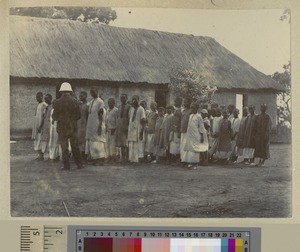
(38, 189)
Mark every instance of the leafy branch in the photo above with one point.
(191, 83)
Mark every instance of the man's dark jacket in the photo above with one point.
(66, 112)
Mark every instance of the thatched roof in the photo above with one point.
(52, 48)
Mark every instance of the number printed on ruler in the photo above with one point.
(43, 238)
(85, 233)
(55, 238)
(31, 238)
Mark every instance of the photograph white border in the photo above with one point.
(5, 217)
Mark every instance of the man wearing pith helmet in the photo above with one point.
(66, 112)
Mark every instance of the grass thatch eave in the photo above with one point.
(245, 91)
(55, 81)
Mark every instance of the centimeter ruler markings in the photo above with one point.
(43, 238)
(55, 238)
(30, 238)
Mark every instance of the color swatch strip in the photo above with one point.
(162, 245)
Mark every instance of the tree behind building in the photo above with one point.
(84, 14)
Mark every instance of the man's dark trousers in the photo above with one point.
(65, 148)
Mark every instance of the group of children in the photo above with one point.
(181, 134)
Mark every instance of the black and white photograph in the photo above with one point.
(150, 112)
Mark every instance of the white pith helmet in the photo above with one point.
(65, 87)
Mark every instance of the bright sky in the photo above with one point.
(256, 36)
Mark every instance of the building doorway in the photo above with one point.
(161, 98)
(241, 101)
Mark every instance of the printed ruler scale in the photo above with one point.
(55, 238)
(45, 238)
(50, 238)
(30, 238)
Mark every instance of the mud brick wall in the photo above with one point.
(23, 102)
(224, 98)
(257, 99)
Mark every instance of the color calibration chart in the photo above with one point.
(61, 238)
(166, 240)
